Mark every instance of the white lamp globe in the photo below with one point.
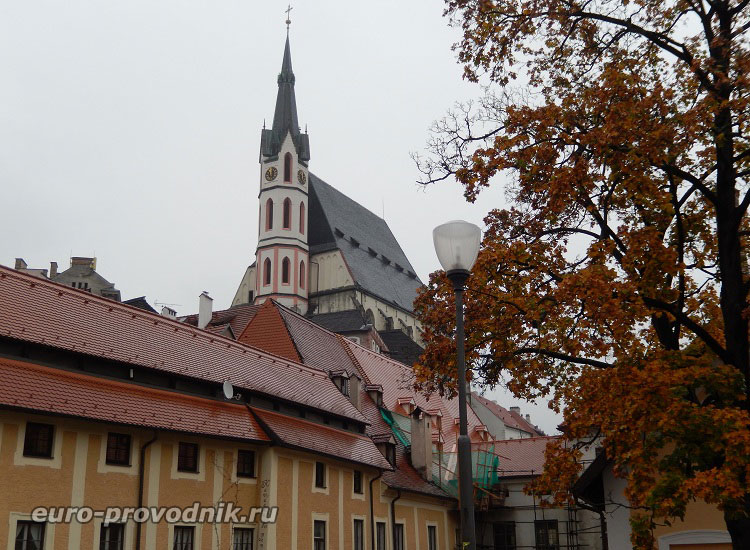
(457, 245)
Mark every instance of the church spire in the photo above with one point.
(285, 114)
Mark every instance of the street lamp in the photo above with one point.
(457, 247)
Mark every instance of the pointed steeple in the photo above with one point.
(285, 115)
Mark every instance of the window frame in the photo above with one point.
(357, 480)
(302, 218)
(505, 525)
(320, 475)
(358, 534)
(286, 268)
(183, 445)
(269, 214)
(302, 274)
(542, 527)
(319, 541)
(119, 544)
(25, 542)
(381, 542)
(244, 473)
(286, 214)
(398, 536)
(432, 540)
(27, 441)
(267, 272)
(243, 544)
(288, 168)
(183, 545)
(127, 460)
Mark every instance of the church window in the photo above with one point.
(285, 271)
(288, 168)
(302, 218)
(267, 272)
(287, 214)
(302, 274)
(269, 214)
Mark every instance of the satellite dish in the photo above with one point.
(228, 389)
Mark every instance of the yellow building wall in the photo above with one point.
(78, 475)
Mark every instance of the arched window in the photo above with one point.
(302, 218)
(302, 274)
(285, 271)
(287, 218)
(269, 214)
(288, 168)
(267, 272)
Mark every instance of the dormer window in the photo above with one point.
(341, 380)
(390, 453)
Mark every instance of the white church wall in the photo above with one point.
(247, 285)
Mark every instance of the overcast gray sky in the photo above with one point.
(130, 131)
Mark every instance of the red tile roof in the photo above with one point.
(303, 434)
(509, 418)
(406, 478)
(47, 313)
(48, 390)
(237, 316)
(522, 457)
(397, 381)
(267, 331)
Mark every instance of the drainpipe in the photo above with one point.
(141, 469)
(393, 517)
(372, 513)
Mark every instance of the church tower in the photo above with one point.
(282, 256)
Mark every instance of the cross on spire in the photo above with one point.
(288, 19)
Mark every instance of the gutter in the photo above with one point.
(372, 514)
(393, 517)
(141, 470)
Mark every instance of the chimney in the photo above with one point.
(20, 264)
(168, 312)
(205, 309)
(516, 410)
(528, 418)
(421, 442)
(52, 270)
(355, 388)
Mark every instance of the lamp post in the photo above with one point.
(457, 247)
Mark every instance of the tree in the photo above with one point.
(616, 282)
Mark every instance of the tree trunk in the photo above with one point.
(739, 530)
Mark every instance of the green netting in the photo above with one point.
(388, 416)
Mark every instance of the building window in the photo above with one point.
(320, 475)
(380, 535)
(111, 536)
(302, 218)
(545, 531)
(250, 297)
(242, 539)
(245, 463)
(319, 535)
(431, 537)
(285, 271)
(269, 214)
(398, 536)
(29, 535)
(267, 272)
(38, 440)
(359, 534)
(390, 453)
(288, 168)
(302, 274)
(505, 535)
(357, 480)
(118, 449)
(183, 538)
(187, 457)
(287, 217)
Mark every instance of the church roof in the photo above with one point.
(350, 320)
(375, 258)
(285, 115)
(400, 346)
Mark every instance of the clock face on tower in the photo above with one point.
(302, 177)
(271, 173)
